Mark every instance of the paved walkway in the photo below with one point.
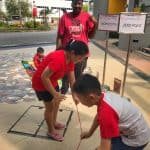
(17, 95)
(138, 62)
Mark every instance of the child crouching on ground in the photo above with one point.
(122, 126)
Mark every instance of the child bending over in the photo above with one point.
(54, 66)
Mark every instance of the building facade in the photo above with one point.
(114, 7)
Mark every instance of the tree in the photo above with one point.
(11, 7)
(23, 8)
(17, 7)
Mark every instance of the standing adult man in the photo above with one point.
(76, 25)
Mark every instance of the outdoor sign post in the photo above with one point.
(107, 23)
(131, 23)
(105, 58)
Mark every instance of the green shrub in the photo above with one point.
(142, 7)
(29, 24)
(25, 27)
(43, 27)
(3, 24)
(38, 26)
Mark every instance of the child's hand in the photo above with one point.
(75, 99)
(97, 148)
(85, 135)
(60, 97)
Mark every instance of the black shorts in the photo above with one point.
(45, 95)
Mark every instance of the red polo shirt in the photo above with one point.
(76, 28)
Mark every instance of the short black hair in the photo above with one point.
(87, 84)
(74, 1)
(40, 50)
(79, 47)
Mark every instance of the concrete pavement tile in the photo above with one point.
(19, 85)
(30, 122)
(8, 142)
(63, 117)
(147, 147)
(9, 113)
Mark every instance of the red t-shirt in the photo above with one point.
(56, 62)
(76, 28)
(108, 120)
(37, 60)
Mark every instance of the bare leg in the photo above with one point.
(49, 115)
(56, 107)
(57, 125)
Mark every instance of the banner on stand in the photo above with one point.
(108, 22)
(132, 23)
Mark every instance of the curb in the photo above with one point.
(21, 45)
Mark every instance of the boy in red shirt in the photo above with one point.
(122, 126)
(77, 25)
(39, 56)
(54, 66)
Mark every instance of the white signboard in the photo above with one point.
(131, 23)
(108, 22)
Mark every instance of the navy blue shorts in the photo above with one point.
(117, 144)
(45, 95)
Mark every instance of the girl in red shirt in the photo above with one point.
(54, 66)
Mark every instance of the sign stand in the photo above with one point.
(126, 66)
(107, 23)
(105, 58)
(131, 23)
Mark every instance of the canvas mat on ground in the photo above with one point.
(31, 122)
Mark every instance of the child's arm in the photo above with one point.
(71, 81)
(104, 145)
(92, 129)
(48, 84)
(71, 78)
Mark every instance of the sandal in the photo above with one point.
(55, 136)
(59, 126)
